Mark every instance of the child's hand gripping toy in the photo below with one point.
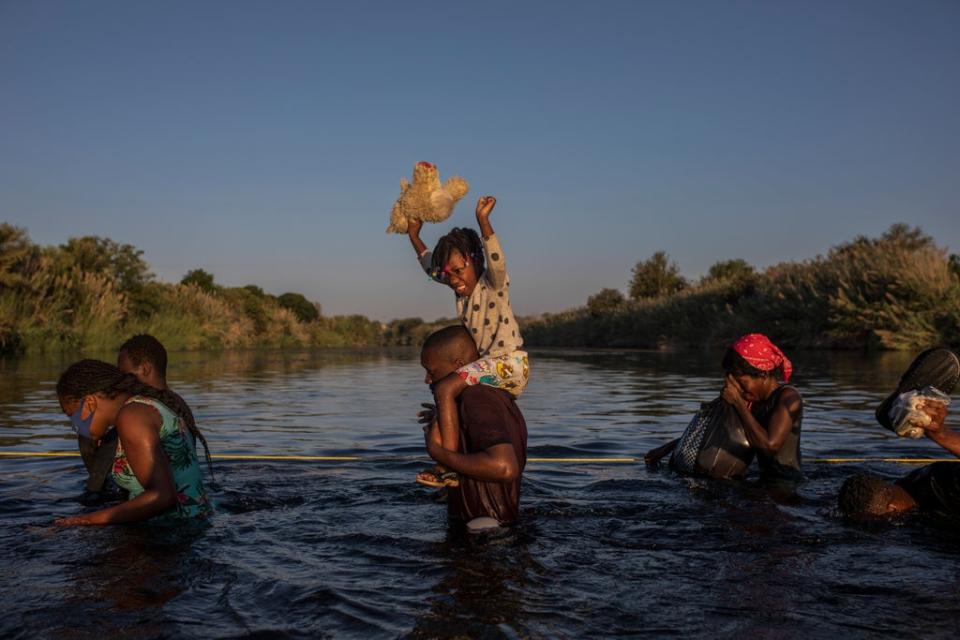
(425, 198)
(907, 414)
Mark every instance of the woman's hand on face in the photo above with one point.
(732, 393)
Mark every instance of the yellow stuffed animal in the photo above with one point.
(425, 199)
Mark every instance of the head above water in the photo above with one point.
(94, 391)
(458, 260)
(756, 364)
(144, 356)
(447, 350)
(869, 496)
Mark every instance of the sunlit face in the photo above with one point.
(89, 405)
(437, 367)
(460, 274)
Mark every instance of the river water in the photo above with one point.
(357, 549)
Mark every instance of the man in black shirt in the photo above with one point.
(932, 490)
(493, 438)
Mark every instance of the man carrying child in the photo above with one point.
(492, 433)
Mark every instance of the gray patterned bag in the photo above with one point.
(713, 444)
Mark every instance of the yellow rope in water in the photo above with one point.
(305, 458)
(71, 454)
(229, 456)
(592, 460)
(896, 460)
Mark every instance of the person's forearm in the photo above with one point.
(496, 266)
(486, 229)
(417, 243)
(144, 506)
(756, 434)
(655, 455)
(949, 440)
(480, 466)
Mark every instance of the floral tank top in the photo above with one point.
(181, 450)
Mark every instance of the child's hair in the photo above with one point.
(145, 347)
(735, 364)
(87, 377)
(464, 241)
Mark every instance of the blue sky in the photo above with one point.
(264, 141)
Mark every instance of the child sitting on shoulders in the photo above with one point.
(475, 269)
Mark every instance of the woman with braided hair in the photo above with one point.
(156, 459)
(145, 357)
(473, 266)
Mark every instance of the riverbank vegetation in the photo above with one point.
(92, 293)
(898, 291)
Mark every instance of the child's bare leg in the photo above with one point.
(445, 393)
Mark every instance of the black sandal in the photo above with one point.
(936, 367)
(442, 478)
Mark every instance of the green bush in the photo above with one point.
(655, 277)
(605, 301)
(90, 293)
(200, 278)
(305, 310)
(737, 269)
(899, 291)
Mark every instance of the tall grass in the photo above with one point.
(76, 297)
(894, 292)
(899, 291)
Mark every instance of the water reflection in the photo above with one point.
(483, 591)
(359, 550)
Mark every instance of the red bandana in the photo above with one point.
(757, 349)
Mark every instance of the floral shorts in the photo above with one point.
(509, 372)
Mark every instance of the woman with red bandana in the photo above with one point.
(770, 412)
(763, 419)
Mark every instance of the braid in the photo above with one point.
(464, 241)
(181, 408)
(95, 376)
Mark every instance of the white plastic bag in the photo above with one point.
(907, 415)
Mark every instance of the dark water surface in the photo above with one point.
(357, 549)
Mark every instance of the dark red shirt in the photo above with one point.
(489, 417)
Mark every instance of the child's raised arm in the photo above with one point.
(413, 232)
(496, 271)
(424, 255)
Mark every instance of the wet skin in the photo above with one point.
(138, 427)
(741, 391)
(901, 501)
(496, 464)
(460, 274)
